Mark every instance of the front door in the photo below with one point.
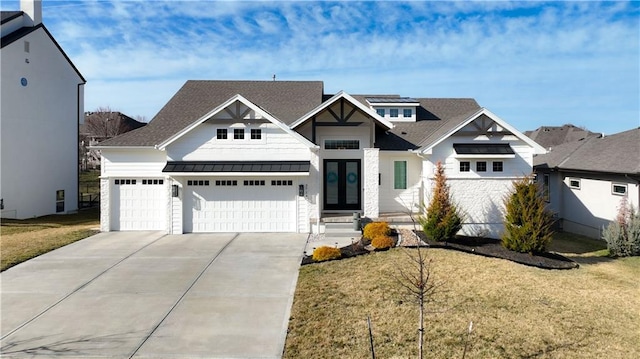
(342, 188)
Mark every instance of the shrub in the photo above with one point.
(376, 229)
(443, 219)
(623, 234)
(326, 253)
(527, 221)
(382, 242)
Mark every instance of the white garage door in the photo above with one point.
(138, 204)
(240, 205)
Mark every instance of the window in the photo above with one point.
(197, 182)
(238, 134)
(60, 201)
(619, 189)
(545, 188)
(574, 183)
(465, 166)
(152, 181)
(125, 181)
(221, 133)
(497, 166)
(380, 112)
(481, 166)
(399, 174)
(393, 112)
(407, 112)
(282, 183)
(254, 182)
(341, 144)
(226, 183)
(256, 134)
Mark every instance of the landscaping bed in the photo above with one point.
(487, 247)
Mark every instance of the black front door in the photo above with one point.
(342, 188)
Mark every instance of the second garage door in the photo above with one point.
(240, 205)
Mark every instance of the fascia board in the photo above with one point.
(349, 98)
(483, 111)
(227, 103)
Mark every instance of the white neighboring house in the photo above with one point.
(267, 156)
(41, 107)
(584, 181)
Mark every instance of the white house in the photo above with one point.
(585, 180)
(41, 106)
(262, 156)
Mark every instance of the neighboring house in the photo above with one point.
(230, 156)
(99, 126)
(550, 136)
(42, 104)
(585, 180)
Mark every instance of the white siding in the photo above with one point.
(399, 200)
(132, 162)
(39, 127)
(201, 145)
(370, 183)
(589, 209)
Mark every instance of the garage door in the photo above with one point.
(240, 205)
(138, 204)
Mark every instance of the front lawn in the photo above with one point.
(517, 311)
(21, 240)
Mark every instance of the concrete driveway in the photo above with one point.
(150, 295)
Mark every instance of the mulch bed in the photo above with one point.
(489, 247)
(480, 246)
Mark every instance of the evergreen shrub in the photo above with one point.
(443, 219)
(623, 234)
(527, 221)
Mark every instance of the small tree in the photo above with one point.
(443, 219)
(623, 234)
(527, 221)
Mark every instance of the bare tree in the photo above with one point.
(105, 123)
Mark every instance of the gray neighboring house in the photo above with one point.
(551, 136)
(585, 180)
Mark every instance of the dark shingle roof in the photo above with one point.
(550, 136)
(286, 100)
(618, 153)
(6, 16)
(435, 118)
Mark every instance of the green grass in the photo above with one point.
(518, 311)
(89, 182)
(21, 240)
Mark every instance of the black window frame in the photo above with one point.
(256, 134)
(238, 133)
(481, 166)
(465, 166)
(497, 166)
(222, 134)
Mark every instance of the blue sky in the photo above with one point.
(532, 63)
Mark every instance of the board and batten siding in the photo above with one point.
(201, 144)
(399, 200)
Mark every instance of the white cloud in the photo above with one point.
(528, 61)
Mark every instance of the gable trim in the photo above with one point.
(483, 111)
(222, 107)
(345, 96)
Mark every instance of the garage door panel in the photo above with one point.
(240, 208)
(138, 207)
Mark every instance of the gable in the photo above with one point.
(484, 124)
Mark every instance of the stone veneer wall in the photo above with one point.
(370, 182)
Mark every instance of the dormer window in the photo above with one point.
(407, 112)
(381, 112)
(393, 112)
(395, 108)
